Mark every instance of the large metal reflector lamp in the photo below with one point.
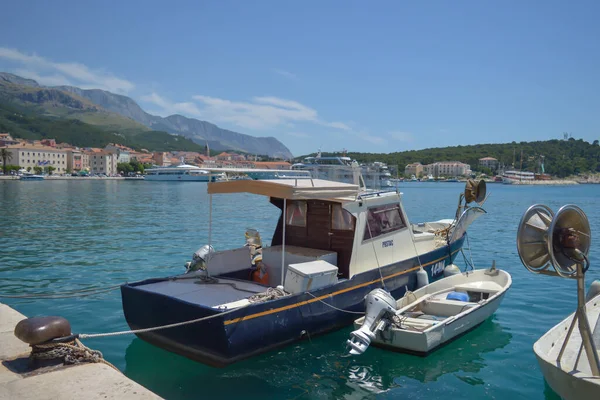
(475, 191)
(563, 241)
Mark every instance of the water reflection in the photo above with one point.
(316, 369)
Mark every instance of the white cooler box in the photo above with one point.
(293, 255)
(309, 276)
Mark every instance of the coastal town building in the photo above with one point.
(488, 162)
(141, 157)
(77, 160)
(447, 168)
(102, 161)
(161, 159)
(48, 142)
(415, 169)
(230, 157)
(29, 156)
(7, 140)
(271, 164)
(123, 152)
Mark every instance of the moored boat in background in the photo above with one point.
(27, 176)
(179, 173)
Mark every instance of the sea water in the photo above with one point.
(59, 236)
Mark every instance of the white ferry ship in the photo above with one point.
(515, 177)
(344, 169)
(180, 173)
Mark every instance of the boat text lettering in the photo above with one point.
(437, 268)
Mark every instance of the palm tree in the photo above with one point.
(6, 156)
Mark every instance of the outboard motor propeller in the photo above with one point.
(379, 303)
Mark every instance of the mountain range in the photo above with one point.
(123, 115)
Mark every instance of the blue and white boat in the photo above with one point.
(333, 244)
(27, 176)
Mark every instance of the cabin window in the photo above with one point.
(296, 213)
(341, 219)
(382, 220)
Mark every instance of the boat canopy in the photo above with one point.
(290, 189)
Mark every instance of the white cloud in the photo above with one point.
(46, 80)
(338, 125)
(284, 73)
(168, 108)
(261, 112)
(298, 134)
(48, 72)
(406, 137)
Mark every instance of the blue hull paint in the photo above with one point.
(264, 326)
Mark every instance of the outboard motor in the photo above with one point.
(379, 303)
(199, 259)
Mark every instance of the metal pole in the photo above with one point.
(210, 219)
(584, 325)
(284, 219)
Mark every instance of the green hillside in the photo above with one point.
(23, 122)
(50, 102)
(561, 157)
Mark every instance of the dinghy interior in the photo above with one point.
(434, 314)
(332, 245)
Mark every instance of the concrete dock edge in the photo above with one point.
(83, 381)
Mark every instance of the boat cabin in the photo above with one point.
(328, 221)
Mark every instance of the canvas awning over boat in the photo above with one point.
(291, 189)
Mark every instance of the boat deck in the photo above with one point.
(211, 293)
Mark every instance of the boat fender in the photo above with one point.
(457, 296)
(593, 291)
(450, 270)
(422, 278)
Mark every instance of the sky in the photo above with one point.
(379, 76)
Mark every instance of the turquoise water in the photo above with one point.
(66, 235)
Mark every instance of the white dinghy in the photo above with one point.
(425, 319)
(567, 353)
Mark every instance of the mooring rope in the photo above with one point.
(156, 328)
(193, 321)
(270, 294)
(73, 352)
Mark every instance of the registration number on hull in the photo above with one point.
(438, 268)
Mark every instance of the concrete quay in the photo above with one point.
(75, 178)
(81, 381)
(554, 182)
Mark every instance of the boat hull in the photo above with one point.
(568, 381)
(247, 331)
(423, 344)
(32, 178)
